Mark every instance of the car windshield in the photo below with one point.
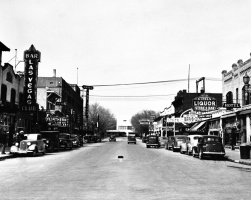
(64, 136)
(152, 137)
(131, 137)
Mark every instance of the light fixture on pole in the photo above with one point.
(246, 80)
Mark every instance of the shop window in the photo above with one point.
(9, 77)
(3, 93)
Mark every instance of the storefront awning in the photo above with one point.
(229, 115)
(244, 112)
(198, 126)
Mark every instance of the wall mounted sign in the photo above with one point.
(231, 105)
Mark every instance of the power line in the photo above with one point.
(155, 82)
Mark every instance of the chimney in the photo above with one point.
(202, 90)
(54, 73)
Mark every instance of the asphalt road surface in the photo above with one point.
(95, 171)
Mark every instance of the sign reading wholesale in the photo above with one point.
(204, 103)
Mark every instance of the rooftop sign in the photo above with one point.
(204, 103)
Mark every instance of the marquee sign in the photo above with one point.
(31, 59)
(204, 103)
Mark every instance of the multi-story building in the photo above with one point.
(63, 103)
(11, 95)
(236, 94)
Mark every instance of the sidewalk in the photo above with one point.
(6, 155)
(231, 155)
(234, 156)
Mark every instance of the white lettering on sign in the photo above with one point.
(32, 56)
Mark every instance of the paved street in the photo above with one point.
(95, 172)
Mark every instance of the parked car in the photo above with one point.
(97, 138)
(112, 138)
(51, 140)
(169, 142)
(31, 145)
(191, 143)
(131, 139)
(65, 141)
(174, 142)
(144, 139)
(152, 141)
(162, 141)
(210, 145)
(183, 146)
(75, 140)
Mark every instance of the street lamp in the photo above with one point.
(246, 80)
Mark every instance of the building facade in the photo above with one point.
(62, 102)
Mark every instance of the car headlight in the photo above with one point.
(16, 144)
(47, 141)
(28, 143)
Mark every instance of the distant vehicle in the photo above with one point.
(131, 139)
(152, 141)
(209, 145)
(144, 139)
(162, 141)
(112, 138)
(65, 141)
(75, 140)
(51, 140)
(97, 138)
(31, 145)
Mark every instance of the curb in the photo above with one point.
(239, 161)
(7, 156)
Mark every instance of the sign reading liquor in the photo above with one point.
(31, 59)
(204, 103)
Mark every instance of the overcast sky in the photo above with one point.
(100, 42)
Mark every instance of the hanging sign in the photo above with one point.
(31, 59)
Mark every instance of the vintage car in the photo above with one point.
(209, 145)
(152, 141)
(65, 141)
(174, 142)
(162, 141)
(75, 140)
(183, 146)
(191, 143)
(112, 138)
(97, 138)
(144, 139)
(131, 139)
(51, 140)
(31, 145)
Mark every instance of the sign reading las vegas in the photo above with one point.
(31, 58)
(204, 103)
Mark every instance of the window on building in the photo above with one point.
(237, 95)
(13, 96)
(21, 99)
(229, 97)
(9, 77)
(3, 93)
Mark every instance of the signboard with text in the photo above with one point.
(31, 59)
(204, 103)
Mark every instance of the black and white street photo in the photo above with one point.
(125, 99)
